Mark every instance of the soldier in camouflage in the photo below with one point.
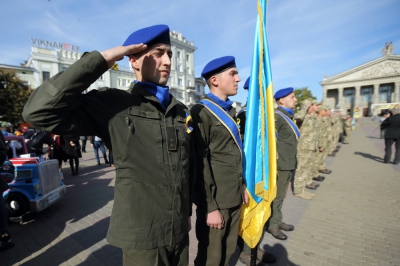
(306, 149)
(328, 128)
(347, 129)
(322, 143)
(335, 120)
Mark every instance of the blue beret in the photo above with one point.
(217, 66)
(246, 84)
(283, 93)
(150, 35)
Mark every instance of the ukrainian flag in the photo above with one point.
(259, 161)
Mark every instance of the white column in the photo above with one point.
(396, 92)
(375, 96)
(357, 95)
(340, 97)
(324, 98)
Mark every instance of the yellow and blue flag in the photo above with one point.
(259, 161)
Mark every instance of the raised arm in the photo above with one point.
(58, 105)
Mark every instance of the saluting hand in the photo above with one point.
(215, 219)
(117, 53)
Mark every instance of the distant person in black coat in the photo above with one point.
(72, 150)
(392, 135)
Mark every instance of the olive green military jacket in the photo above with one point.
(219, 181)
(151, 149)
(286, 143)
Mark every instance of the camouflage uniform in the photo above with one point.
(339, 127)
(328, 132)
(306, 149)
(347, 130)
(322, 143)
(336, 126)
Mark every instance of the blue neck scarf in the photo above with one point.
(288, 110)
(161, 92)
(224, 105)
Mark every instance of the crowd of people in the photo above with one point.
(168, 156)
(321, 130)
(64, 148)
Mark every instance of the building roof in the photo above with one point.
(22, 68)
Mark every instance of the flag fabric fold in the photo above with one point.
(259, 160)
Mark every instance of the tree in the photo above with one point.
(13, 96)
(302, 94)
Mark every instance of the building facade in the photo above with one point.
(371, 84)
(49, 58)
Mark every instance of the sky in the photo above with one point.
(307, 39)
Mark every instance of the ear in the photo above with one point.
(133, 60)
(214, 81)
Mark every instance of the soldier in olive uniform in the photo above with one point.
(148, 131)
(286, 145)
(219, 186)
(306, 151)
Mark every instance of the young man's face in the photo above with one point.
(228, 81)
(153, 64)
(289, 101)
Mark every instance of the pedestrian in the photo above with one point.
(149, 132)
(111, 158)
(57, 150)
(83, 143)
(383, 130)
(392, 135)
(72, 150)
(219, 186)
(97, 143)
(286, 146)
(245, 250)
(5, 238)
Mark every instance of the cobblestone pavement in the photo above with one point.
(353, 220)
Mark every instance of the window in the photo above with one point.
(179, 68)
(188, 70)
(366, 95)
(198, 88)
(45, 75)
(348, 95)
(189, 83)
(123, 82)
(187, 58)
(385, 93)
(180, 82)
(178, 54)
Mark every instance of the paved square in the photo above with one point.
(353, 220)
